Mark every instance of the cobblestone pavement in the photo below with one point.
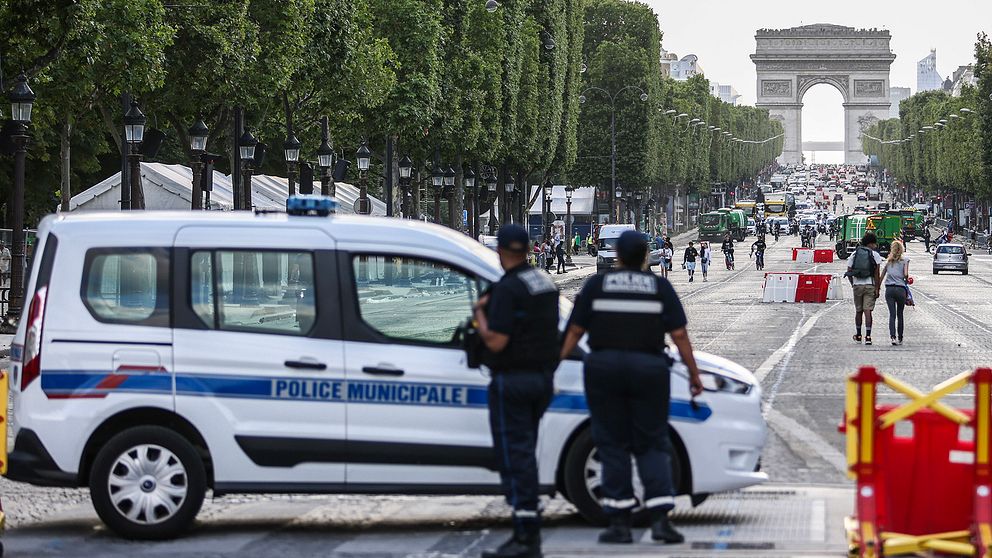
(800, 352)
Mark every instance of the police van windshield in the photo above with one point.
(607, 243)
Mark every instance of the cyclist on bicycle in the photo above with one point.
(758, 250)
(728, 251)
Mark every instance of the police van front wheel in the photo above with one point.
(147, 482)
(584, 479)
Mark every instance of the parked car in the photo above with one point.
(862, 196)
(950, 257)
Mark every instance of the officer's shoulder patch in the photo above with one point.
(537, 281)
(630, 282)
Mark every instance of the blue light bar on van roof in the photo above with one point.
(321, 206)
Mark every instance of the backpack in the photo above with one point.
(863, 264)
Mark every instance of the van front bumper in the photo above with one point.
(30, 462)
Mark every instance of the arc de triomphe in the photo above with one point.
(855, 61)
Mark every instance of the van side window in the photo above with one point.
(254, 291)
(127, 285)
(409, 299)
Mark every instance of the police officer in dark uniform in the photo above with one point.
(518, 324)
(627, 312)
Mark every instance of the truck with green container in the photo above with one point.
(887, 228)
(848, 230)
(912, 222)
(714, 225)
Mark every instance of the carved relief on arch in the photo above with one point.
(840, 82)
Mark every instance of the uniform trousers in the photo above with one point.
(628, 395)
(517, 401)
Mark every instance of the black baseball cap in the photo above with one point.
(631, 248)
(512, 237)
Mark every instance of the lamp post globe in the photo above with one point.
(364, 157)
(469, 178)
(291, 148)
(246, 146)
(325, 155)
(492, 6)
(449, 177)
(406, 166)
(21, 100)
(437, 177)
(198, 137)
(134, 124)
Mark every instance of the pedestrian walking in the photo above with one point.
(689, 260)
(538, 255)
(705, 258)
(5, 260)
(546, 250)
(862, 270)
(577, 243)
(560, 252)
(626, 313)
(518, 324)
(666, 259)
(895, 277)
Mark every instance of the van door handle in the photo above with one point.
(382, 371)
(305, 365)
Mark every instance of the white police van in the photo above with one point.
(164, 354)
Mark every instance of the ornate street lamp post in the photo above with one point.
(449, 192)
(21, 100)
(197, 147)
(547, 188)
(134, 134)
(325, 159)
(246, 148)
(491, 185)
(508, 188)
(638, 214)
(291, 151)
(406, 168)
(364, 157)
(568, 224)
(437, 181)
(470, 196)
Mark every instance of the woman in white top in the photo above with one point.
(705, 257)
(895, 275)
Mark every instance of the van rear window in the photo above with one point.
(127, 285)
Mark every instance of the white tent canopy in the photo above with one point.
(171, 187)
(583, 200)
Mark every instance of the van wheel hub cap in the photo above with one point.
(147, 484)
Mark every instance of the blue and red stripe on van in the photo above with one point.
(89, 384)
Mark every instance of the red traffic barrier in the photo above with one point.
(924, 481)
(813, 287)
(823, 256)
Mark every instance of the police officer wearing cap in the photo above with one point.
(626, 313)
(518, 324)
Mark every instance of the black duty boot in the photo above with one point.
(524, 543)
(618, 532)
(662, 530)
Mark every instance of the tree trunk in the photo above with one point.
(65, 149)
(394, 169)
(458, 196)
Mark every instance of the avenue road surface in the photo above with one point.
(801, 353)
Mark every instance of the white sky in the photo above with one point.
(721, 33)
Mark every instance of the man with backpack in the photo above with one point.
(862, 270)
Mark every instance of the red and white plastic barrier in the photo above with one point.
(801, 287)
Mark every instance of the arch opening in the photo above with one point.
(823, 128)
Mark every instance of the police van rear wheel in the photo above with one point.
(583, 480)
(147, 482)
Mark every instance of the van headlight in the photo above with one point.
(717, 382)
(600, 259)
